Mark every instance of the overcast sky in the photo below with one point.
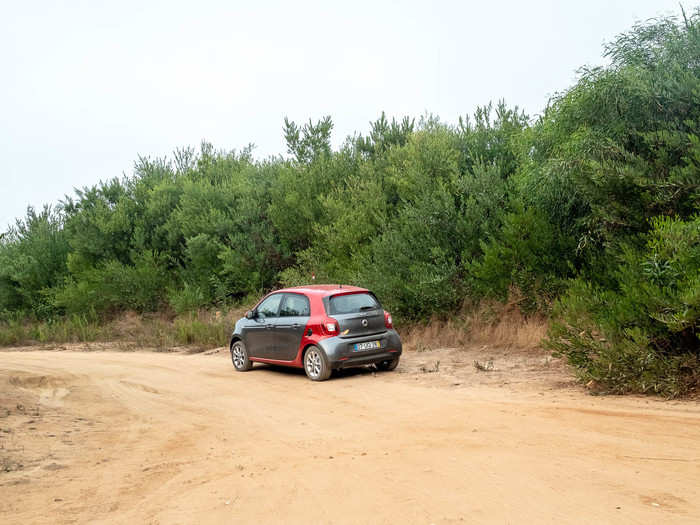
(87, 86)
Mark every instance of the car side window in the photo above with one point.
(270, 306)
(295, 305)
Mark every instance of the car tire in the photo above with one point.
(316, 364)
(388, 366)
(239, 357)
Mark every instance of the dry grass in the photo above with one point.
(160, 331)
(494, 324)
(201, 329)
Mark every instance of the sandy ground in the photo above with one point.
(145, 437)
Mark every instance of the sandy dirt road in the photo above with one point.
(109, 437)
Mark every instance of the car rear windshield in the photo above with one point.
(352, 303)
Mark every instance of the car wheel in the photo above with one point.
(316, 364)
(388, 366)
(239, 357)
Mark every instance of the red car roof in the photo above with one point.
(324, 289)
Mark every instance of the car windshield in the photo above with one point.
(352, 303)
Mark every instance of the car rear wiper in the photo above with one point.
(362, 308)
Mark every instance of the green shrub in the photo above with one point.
(528, 254)
(644, 335)
(186, 299)
(32, 260)
(114, 286)
(413, 265)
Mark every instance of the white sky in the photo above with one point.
(86, 86)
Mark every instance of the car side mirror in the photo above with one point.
(250, 314)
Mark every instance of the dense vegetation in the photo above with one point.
(589, 212)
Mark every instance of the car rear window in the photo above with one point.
(352, 303)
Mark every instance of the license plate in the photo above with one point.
(369, 345)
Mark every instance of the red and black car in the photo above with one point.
(319, 328)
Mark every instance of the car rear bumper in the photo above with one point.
(341, 354)
(366, 360)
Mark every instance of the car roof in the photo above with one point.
(323, 290)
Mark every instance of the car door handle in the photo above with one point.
(296, 325)
(270, 326)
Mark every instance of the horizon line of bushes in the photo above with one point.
(590, 211)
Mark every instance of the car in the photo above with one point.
(319, 328)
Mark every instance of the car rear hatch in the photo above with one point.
(358, 314)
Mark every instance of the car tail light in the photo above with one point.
(388, 321)
(330, 327)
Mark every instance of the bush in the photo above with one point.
(413, 266)
(113, 286)
(644, 335)
(186, 299)
(32, 260)
(528, 253)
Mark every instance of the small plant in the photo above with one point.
(431, 370)
(9, 465)
(421, 347)
(484, 367)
